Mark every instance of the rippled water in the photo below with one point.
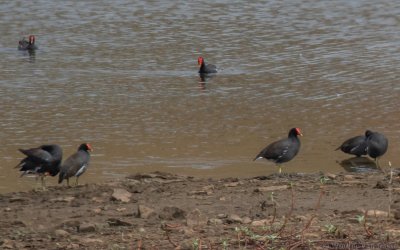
(122, 76)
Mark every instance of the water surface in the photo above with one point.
(122, 76)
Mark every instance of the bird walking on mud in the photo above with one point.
(283, 150)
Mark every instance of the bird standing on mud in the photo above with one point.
(76, 164)
(283, 150)
(41, 161)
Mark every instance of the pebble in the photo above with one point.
(61, 233)
(234, 218)
(87, 228)
(145, 212)
(120, 194)
(171, 213)
(260, 223)
(196, 218)
(271, 188)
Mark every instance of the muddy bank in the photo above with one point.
(165, 211)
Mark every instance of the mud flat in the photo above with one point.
(166, 211)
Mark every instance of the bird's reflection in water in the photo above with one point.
(359, 164)
(31, 56)
(203, 79)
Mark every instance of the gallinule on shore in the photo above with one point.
(27, 45)
(76, 164)
(356, 145)
(283, 150)
(377, 145)
(42, 161)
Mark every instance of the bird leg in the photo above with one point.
(76, 181)
(43, 182)
(377, 164)
(280, 169)
(68, 182)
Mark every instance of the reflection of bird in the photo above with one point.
(358, 164)
(27, 45)
(42, 161)
(283, 150)
(355, 146)
(76, 164)
(377, 145)
(205, 68)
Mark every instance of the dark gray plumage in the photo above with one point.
(76, 164)
(283, 150)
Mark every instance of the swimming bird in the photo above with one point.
(42, 161)
(377, 145)
(205, 68)
(283, 150)
(27, 45)
(76, 164)
(356, 145)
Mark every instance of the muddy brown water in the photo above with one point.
(122, 76)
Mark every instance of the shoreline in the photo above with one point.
(160, 210)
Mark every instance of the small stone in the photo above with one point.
(8, 244)
(246, 220)
(271, 188)
(171, 213)
(61, 233)
(381, 185)
(98, 200)
(117, 223)
(63, 199)
(196, 218)
(331, 176)
(91, 241)
(394, 232)
(234, 218)
(222, 216)
(87, 228)
(232, 184)
(197, 192)
(17, 199)
(188, 232)
(18, 223)
(349, 177)
(7, 209)
(261, 223)
(397, 214)
(97, 210)
(145, 212)
(73, 246)
(373, 213)
(120, 194)
(215, 221)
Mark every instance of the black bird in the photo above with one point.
(283, 150)
(356, 145)
(42, 161)
(205, 68)
(377, 145)
(76, 164)
(27, 45)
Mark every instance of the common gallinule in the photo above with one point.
(76, 164)
(377, 145)
(283, 150)
(205, 68)
(27, 45)
(356, 145)
(42, 161)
